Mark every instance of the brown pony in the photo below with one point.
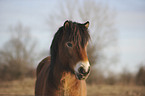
(64, 73)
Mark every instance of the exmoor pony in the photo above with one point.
(64, 72)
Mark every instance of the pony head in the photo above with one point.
(69, 48)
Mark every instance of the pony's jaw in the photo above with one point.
(85, 65)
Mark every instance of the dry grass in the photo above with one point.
(26, 88)
(115, 90)
(17, 88)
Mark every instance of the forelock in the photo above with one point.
(77, 33)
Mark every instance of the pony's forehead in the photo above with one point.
(77, 33)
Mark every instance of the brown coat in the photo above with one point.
(67, 85)
(56, 75)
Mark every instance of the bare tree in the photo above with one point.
(18, 54)
(126, 77)
(140, 77)
(102, 29)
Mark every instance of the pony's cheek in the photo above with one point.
(71, 53)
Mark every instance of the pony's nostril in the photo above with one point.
(81, 70)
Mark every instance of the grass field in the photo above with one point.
(26, 88)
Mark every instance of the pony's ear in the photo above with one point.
(66, 23)
(87, 24)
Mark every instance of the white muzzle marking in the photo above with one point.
(84, 64)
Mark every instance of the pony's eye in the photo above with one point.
(69, 44)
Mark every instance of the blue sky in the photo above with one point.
(130, 23)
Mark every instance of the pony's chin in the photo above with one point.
(80, 76)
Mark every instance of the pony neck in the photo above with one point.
(64, 80)
(59, 71)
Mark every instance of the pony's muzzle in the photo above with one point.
(82, 70)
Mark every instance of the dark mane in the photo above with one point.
(75, 32)
(54, 45)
